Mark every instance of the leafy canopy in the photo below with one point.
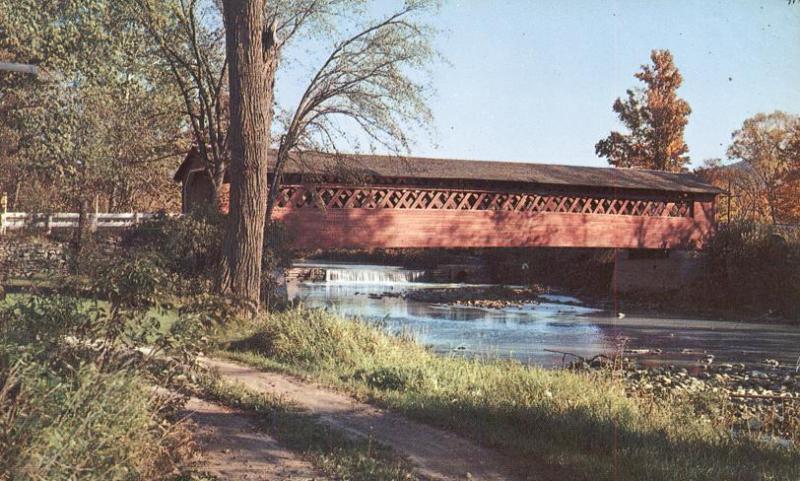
(103, 120)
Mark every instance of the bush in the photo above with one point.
(755, 266)
(313, 338)
(188, 245)
(135, 282)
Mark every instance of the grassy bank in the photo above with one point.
(68, 411)
(583, 422)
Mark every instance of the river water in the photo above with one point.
(558, 323)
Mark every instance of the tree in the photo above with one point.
(769, 144)
(655, 117)
(252, 60)
(190, 45)
(745, 195)
(106, 126)
(366, 79)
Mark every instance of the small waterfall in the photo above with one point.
(387, 275)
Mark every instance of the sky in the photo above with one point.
(535, 81)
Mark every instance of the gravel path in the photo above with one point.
(438, 454)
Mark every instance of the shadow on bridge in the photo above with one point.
(361, 228)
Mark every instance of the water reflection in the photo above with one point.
(525, 332)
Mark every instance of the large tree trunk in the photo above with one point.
(252, 60)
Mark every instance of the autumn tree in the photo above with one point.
(744, 198)
(655, 118)
(769, 144)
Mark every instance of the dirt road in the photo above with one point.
(438, 454)
(233, 449)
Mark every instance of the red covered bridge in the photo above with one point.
(368, 201)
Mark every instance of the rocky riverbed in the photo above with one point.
(490, 297)
(762, 399)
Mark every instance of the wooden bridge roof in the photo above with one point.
(313, 163)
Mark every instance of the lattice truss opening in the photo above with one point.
(330, 197)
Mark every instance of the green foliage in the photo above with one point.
(583, 422)
(136, 282)
(755, 266)
(188, 245)
(104, 120)
(75, 395)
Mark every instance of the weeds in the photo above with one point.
(76, 400)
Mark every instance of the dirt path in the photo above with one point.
(438, 454)
(235, 450)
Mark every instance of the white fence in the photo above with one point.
(69, 220)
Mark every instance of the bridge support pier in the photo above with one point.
(656, 271)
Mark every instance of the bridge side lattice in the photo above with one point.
(344, 197)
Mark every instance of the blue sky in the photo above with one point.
(535, 81)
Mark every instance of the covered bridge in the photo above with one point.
(371, 201)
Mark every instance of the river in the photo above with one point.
(558, 323)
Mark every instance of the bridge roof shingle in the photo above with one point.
(495, 171)
(481, 170)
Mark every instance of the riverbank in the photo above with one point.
(762, 399)
(588, 423)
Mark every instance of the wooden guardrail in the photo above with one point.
(69, 220)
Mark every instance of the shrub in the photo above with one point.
(189, 245)
(313, 338)
(755, 266)
(135, 281)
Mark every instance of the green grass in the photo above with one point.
(83, 423)
(329, 451)
(166, 318)
(584, 423)
(72, 412)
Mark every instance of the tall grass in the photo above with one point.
(72, 407)
(583, 423)
(83, 424)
